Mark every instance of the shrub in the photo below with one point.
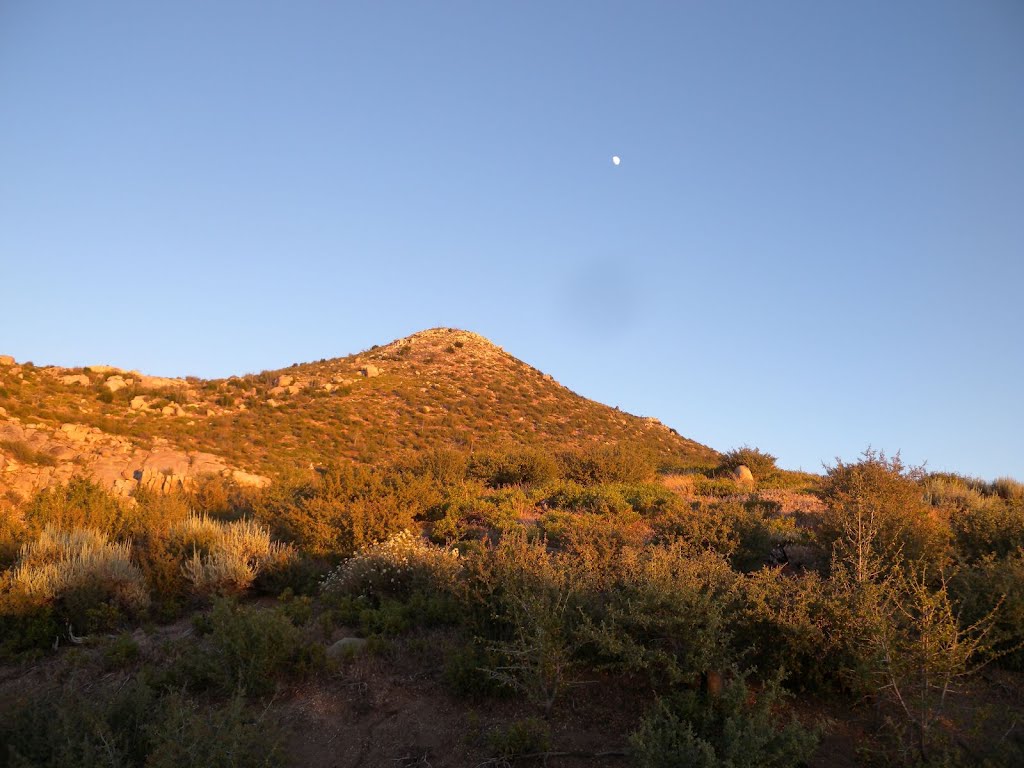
(738, 729)
(1009, 489)
(247, 650)
(136, 726)
(80, 504)
(918, 654)
(520, 466)
(530, 736)
(344, 508)
(995, 584)
(876, 517)
(225, 558)
(990, 526)
(26, 454)
(670, 615)
(790, 622)
(619, 463)
(445, 466)
(395, 567)
(466, 675)
(596, 499)
(761, 464)
(81, 570)
(532, 595)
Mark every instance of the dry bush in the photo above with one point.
(81, 569)
(226, 557)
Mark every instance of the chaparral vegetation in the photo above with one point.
(430, 554)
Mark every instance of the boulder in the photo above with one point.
(75, 378)
(104, 369)
(742, 474)
(369, 371)
(167, 461)
(158, 382)
(6, 360)
(77, 432)
(139, 403)
(115, 383)
(346, 648)
(203, 464)
(249, 480)
(284, 381)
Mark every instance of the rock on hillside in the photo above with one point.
(34, 456)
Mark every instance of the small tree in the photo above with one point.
(876, 517)
(535, 593)
(922, 655)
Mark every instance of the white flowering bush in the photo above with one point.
(225, 558)
(396, 566)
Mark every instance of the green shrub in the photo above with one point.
(877, 518)
(136, 726)
(995, 584)
(596, 499)
(620, 463)
(344, 508)
(248, 649)
(519, 466)
(790, 622)
(520, 738)
(989, 527)
(466, 675)
(761, 464)
(738, 729)
(917, 654)
(530, 596)
(445, 466)
(670, 615)
(80, 504)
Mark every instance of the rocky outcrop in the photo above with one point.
(114, 383)
(6, 360)
(369, 371)
(158, 382)
(249, 480)
(75, 378)
(115, 462)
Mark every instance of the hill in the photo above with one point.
(437, 388)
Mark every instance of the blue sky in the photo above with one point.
(814, 242)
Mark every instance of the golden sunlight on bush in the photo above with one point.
(395, 566)
(60, 562)
(225, 558)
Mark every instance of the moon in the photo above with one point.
(616, 160)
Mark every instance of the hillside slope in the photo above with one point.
(440, 387)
